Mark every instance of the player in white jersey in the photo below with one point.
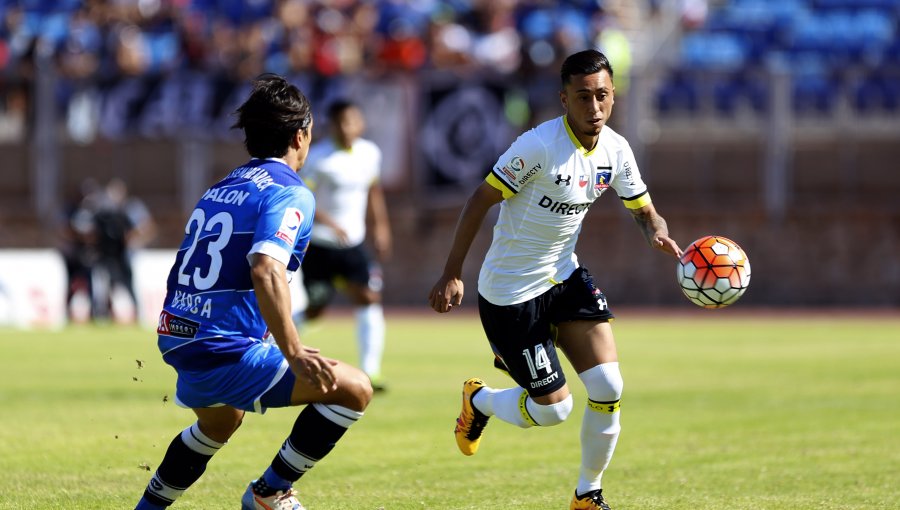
(228, 293)
(344, 172)
(533, 292)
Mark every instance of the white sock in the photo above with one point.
(600, 426)
(370, 336)
(503, 404)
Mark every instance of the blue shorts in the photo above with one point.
(261, 379)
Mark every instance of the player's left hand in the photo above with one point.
(667, 244)
(316, 369)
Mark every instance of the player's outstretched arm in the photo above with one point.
(655, 231)
(274, 298)
(448, 291)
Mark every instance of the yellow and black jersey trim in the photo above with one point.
(637, 201)
(575, 141)
(500, 184)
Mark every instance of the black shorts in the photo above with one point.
(325, 267)
(523, 335)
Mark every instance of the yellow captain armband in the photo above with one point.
(524, 410)
(504, 188)
(604, 407)
(637, 201)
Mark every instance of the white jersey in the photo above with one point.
(341, 179)
(549, 181)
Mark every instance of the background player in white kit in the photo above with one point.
(344, 172)
(227, 291)
(533, 293)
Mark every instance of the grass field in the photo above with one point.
(721, 411)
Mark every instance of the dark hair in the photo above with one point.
(339, 106)
(272, 115)
(584, 62)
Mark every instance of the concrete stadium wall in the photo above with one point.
(838, 243)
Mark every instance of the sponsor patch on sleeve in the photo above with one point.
(290, 225)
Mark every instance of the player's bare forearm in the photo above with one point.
(448, 291)
(655, 230)
(274, 299)
(470, 220)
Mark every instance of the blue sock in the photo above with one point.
(274, 481)
(143, 504)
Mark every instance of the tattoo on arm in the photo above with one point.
(651, 224)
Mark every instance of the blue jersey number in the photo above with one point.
(214, 248)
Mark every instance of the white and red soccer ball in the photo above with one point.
(713, 272)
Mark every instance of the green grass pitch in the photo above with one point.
(721, 410)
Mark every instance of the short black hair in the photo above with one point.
(272, 114)
(584, 62)
(339, 106)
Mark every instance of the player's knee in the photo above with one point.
(358, 390)
(551, 414)
(603, 382)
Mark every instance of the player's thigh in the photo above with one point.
(523, 339)
(354, 389)
(361, 285)
(587, 343)
(219, 423)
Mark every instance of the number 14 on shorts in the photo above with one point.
(540, 360)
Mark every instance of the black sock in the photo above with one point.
(185, 461)
(314, 435)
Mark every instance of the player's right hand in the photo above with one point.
(315, 369)
(446, 293)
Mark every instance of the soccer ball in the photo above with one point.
(713, 272)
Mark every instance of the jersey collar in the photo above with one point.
(279, 163)
(580, 148)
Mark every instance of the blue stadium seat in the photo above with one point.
(708, 51)
(813, 88)
(734, 90)
(680, 93)
(877, 91)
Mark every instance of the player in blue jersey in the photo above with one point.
(228, 300)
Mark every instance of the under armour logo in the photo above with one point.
(560, 180)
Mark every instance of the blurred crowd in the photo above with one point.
(241, 38)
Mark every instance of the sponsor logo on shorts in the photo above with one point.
(545, 381)
(173, 325)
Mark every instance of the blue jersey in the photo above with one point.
(210, 314)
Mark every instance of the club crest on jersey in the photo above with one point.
(290, 225)
(602, 180)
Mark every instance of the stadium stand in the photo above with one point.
(142, 89)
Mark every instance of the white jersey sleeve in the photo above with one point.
(519, 165)
(627, 180)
